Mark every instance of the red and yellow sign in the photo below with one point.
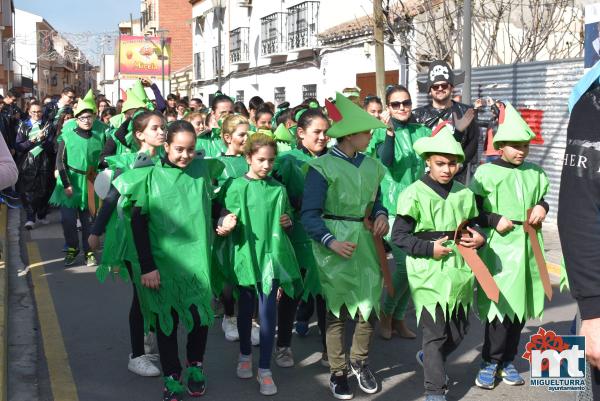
(142, 56)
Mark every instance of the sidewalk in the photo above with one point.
(552, 250)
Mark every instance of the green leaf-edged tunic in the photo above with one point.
(355, 282)
(292, 166)
(178, 205)
(211, 144)
(262, 250)
(510, 192)
(82, 156)
(447, 282)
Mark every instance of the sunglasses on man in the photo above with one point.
(440, 87)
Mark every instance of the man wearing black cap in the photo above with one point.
(440, 83)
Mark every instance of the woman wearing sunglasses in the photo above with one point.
(394, 147)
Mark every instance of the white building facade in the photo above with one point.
(286, 50)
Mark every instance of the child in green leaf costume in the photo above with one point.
(119, 255)
(342, 213)
(170, 206)
(79, 147)
(506, 189)
(263, 257)
(394, 147)
(428, 213)
(235, 133)
(290, 169)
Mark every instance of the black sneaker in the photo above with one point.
(339, 387)
(194, 379)
(366, 380)
(173, 390)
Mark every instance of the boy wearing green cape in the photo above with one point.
(428, 214)
(342, 213)
(510, 193)
(79, 147)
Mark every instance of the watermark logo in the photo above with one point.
(556, 362)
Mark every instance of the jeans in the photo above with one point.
(69, 224)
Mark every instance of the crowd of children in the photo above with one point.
(290, 209)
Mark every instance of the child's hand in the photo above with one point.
(69, 191)
(380, 226)
(344, 249)
(151, 280)
(504, 225)
(475, 240)
(229, 224)
(279, 294)
(285, 221)
(537, 216)
(439, 250)
(94, 242)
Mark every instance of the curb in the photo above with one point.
(3, 304)
(553, 269)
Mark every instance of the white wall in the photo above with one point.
(25, 50)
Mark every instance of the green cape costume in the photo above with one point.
(447, 282)
(211, 144)
(178, 205)
(355, 282)
(262, 251)
(292, 167)
(223, 248)
(118, 239)
(82, 158)
(510, 192)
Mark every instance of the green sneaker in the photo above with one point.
(90, 259)
(173, 389)
(71, 256)
(194, 379)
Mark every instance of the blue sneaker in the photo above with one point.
(486, 378)
(419, 357)
(510, 375)
(302, 328)
(435, 397)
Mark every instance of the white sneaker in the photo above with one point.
(255, 334)
(142, 366)
(150, 346)
(229, 326)
(244, 368)
(29, 225)
(43, 221)
(267, 385)
(284, 358)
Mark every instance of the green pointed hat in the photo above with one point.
(348, 118)
(132, 102)
(511, 126)
(441, 141)
(283, 134)
(87, 103)
(139, 91)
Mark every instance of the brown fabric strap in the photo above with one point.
(480, 271)
(91, 194)
(539, 256)
(383, 265)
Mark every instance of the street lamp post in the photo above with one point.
(162, 33)
(33, 66)
(218, 6)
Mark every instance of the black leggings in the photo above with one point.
(136, 321)
(168, 347)
(305, 311)
(286, 310)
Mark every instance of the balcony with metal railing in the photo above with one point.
(239, 46)
(303, 26)
(272, 39)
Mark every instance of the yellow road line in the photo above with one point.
(61, 377)
(553, 268)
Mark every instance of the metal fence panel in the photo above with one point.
(544, 85)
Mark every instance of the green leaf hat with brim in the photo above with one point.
(441, 142)
(87, 103)
(511, 126)
(348, 118)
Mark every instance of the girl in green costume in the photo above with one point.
(119, 253)
(506, 189)
(170, 208)
(394, 147)
(263, 256)
(427, 214)
(341, 192)
(290, 168)
(235, 133)
(79, 147)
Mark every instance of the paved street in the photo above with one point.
(85, 341)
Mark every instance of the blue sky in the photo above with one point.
(79, 16)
